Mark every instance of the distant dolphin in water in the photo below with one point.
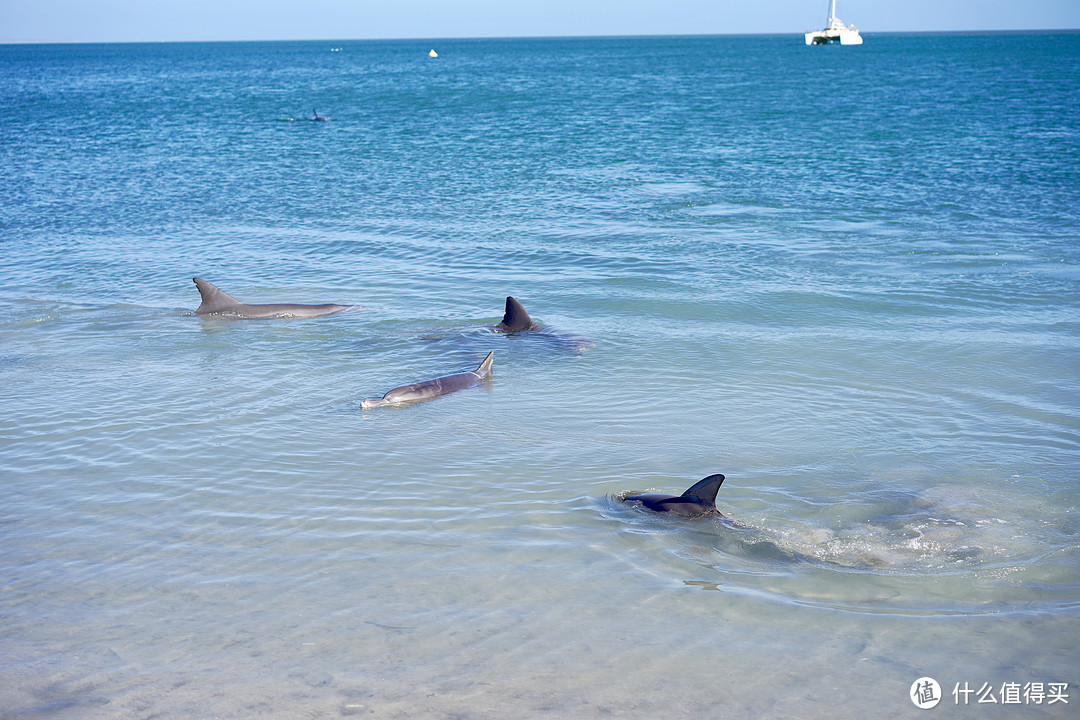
(515, 319)
(432, 388)
(218, 302)
(317, 117)
(698, 500)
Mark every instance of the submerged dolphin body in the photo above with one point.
(698, 500)
(432, 388)
(515, 319)
(216, 301)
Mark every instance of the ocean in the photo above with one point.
(848, 278)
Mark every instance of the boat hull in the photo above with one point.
(835, 32)
(847, 36)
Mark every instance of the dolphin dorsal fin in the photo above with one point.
(485, 367)
(515, 317)
(704, 491)
(213, 299)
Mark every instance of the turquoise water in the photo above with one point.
(847, 278)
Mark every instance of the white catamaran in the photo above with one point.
(835, 31)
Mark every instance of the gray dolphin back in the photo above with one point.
(699, 499)
(217, 301)
(433, 388)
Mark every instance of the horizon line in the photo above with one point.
(1024, 31)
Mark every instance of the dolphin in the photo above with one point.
(317, 117)
(515, 319)
(218, 302)
(432, 388)
(698, 500)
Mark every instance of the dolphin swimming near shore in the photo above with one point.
(432, 388)
(698, 500)
(218, 302)
(515, 319)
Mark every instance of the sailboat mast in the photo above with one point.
(832, 12)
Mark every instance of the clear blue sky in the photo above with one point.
(154, 20)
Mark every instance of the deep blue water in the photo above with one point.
(847, 278)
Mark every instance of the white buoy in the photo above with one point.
(433, 53)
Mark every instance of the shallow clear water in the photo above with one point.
(847, 278)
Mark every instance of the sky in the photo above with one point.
(184, 20)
